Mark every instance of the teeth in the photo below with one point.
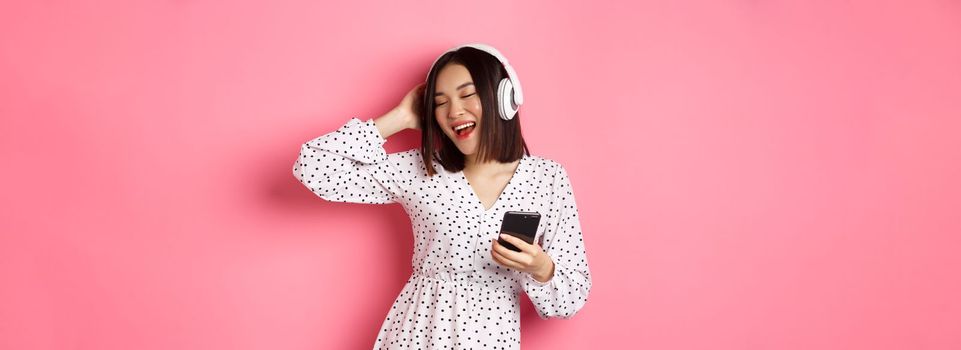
(463, 126)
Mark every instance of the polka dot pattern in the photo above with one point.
(458, 297)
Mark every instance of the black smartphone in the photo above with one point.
(520, 224)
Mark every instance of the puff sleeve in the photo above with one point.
(567, 290)
(350, 165)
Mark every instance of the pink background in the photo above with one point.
(750, 174)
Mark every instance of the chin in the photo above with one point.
(463, 149)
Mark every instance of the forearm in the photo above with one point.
(391, 123)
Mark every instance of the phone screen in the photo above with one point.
(520, 224)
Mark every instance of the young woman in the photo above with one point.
(471, 168)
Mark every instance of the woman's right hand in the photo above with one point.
(412, 104)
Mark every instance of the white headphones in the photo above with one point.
(509, 94)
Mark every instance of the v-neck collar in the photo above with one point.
(518, 173)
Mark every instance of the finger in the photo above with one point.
(506, 252)
(519, 243)
(505, 261)
(498, 258)
(518, 257)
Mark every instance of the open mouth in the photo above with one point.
(464, 129)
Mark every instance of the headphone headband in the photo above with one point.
(515, 88)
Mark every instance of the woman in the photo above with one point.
(471, 168)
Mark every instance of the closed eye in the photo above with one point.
(465, 96)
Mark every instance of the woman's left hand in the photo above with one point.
(531, 259)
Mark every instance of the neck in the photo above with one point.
(471, 165)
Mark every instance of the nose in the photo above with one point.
(456, 110)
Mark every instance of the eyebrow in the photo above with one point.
(458, 88)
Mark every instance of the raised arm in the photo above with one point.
(349, 165)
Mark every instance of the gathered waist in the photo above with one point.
(467, 279)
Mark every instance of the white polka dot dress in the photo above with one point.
(458, 297)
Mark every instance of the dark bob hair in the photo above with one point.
(500, 139)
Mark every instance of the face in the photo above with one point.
(456, 104)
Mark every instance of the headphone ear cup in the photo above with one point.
(505, 100)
